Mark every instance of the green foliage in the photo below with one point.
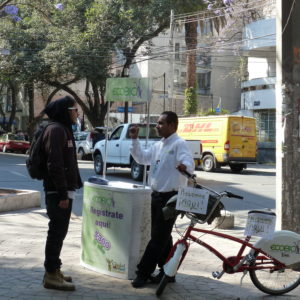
(59, 47)
(190, 102)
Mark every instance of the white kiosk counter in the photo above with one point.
(116, 222)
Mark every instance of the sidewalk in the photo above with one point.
(22, 243)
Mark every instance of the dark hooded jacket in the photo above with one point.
(58, 143)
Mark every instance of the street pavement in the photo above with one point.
(22, 241)
(21, 266)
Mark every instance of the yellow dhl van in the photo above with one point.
(226, 140)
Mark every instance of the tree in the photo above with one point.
(69, 44)
(190, 103)
(48, 47)
(288, 111)
(4, 3)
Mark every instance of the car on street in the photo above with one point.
(84, 144)
(11, 142)
(85, 141)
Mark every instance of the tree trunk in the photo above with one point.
(289, 158)
(191, 45)
(32, 121)
(13, 90)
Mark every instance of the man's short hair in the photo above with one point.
(171, 117)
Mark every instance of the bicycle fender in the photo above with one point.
(283, 246)
(170, 268)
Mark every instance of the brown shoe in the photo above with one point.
(55, 281)
(66, 278)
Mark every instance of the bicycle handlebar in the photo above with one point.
(225, 193)
(231, 195)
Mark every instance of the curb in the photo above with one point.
(19, 199)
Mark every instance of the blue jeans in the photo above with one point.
(57, 230)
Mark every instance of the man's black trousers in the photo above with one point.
(57, 231)
(160, 244)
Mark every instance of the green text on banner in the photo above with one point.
(128, 89)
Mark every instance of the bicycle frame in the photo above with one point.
(232, 264)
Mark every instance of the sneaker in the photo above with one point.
(139, 281)
(55, 281)
(157, 278)
(66, 278)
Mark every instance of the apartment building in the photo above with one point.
(258, 90)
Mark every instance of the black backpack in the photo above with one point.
(36, 161)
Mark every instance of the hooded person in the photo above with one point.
(61, 180)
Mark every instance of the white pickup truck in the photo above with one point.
(118, 153)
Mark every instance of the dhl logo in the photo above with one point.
(198, 127)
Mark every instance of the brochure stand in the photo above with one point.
(115, 227)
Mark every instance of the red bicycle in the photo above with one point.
(273, 263)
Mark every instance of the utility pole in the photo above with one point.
(288, 115)
(171, 61)
(125, 73)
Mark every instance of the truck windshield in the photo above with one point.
(153, 134)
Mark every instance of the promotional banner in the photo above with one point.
(128, 89)
(111, 229)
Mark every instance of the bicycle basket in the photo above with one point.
(216, 213)
(170, 211)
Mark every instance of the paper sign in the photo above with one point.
(260, 224)
(192, 200)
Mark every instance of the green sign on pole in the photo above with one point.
(128, 89)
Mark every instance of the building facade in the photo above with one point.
(258, 90)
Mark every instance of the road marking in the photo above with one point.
(18, 174)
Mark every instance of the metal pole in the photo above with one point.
(148, 126)
(164, 91)
(105, 145)
(171, 71)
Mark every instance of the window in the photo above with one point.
(203, 80)
(265, 123)
(117, 133)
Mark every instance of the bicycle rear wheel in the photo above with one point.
(274, 282)
(163, 283)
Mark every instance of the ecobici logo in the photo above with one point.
(127, 91)
(287, 248)
(104, 201)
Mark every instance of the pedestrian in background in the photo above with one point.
(166, 158)
(60, 182)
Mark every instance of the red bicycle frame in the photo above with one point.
(232, 264)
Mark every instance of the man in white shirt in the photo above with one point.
(166, 158)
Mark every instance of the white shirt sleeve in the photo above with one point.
(140, 155)
(185, 157)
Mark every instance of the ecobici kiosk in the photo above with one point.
(116, 215)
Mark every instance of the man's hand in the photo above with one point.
(64, 204)
(133, 131)
(181, 167)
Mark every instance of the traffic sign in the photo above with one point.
(163, 96)
(122, 109)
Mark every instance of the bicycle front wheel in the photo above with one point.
(274, 282)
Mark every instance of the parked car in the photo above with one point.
(85, 141)
(84, 144)
(10, 142)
